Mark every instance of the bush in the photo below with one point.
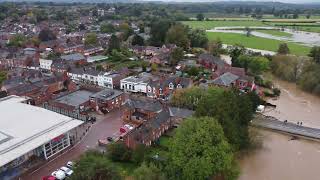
(138, 155)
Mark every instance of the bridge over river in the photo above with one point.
(272, 123)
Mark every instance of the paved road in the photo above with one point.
(273, 123)
(101, 129)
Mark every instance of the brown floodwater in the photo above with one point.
(281, 158)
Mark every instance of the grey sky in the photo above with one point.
(285, 1)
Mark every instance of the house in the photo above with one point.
(60, 66)
(151, 119)
(231, 80)
(92, 59)
(91, 49)
(165, 87)
(211, 62)
(45, 64)
(67, 48)
(84, 75)
(137, 84)
(110, 79)
(75, 58)
(107, 100)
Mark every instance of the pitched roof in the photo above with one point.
(226, 79)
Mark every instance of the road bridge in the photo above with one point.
(272, 123)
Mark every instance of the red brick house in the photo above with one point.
(107, 100)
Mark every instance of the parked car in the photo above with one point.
(70, 164)
(110, 139)
(66, 170)
(59, 174)
(48, 178)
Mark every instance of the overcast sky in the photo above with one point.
(285, 1)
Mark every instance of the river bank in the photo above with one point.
(280, 157)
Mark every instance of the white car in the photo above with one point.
(70, 164)
(66, 170)
(59, 174)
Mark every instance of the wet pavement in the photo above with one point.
(104, 127)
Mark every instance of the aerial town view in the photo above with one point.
(159, 90)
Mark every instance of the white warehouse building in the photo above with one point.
(28, 131)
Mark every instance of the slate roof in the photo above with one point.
(180, 112)
(145, 104)
(73, 57)
(226, 79)
(107, 94)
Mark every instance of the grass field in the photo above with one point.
(275, 33)
(212, 24)
(257, 42)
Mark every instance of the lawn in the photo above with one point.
(212, 24)
(257, 42)
(275, 33)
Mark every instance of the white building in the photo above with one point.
(45, 64)
(136, 83)
(105, 80)
(32, 132)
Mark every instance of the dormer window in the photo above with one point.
(179, 86)
(171, 86)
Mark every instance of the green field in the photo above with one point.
(275, 33)
(257, 42)
(212, 24)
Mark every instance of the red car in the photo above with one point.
(48, 178)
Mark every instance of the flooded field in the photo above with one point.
(281, 158)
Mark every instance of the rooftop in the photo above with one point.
(29, 127)
(107, 94)
(76, 98)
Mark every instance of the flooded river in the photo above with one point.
(281, 158)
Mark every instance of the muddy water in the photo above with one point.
(280, 158)
(295, 105)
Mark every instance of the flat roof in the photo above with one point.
(24, 127)
(76, 98)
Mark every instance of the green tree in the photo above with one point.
(199, 150)
(18, 40)
(285, 67)
(154, 67)
(215, 47)
(178, 35)
(107, 28)
(253, 64)
(137, 40)
(148, 172)
(3, 76)
(283, 49)
(309, 79)
(46, 35)
(200, 17)
(315, 54)
(198, 38)
(119, 152)
(176, 56)
(91, 39)
(158, 32)
(235, 52)
(126, 30)
(114, 43)
(94, 166)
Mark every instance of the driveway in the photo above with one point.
(106, 126)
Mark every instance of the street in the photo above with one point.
(103, 128)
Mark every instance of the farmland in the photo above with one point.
(257, 42)
(221, 23)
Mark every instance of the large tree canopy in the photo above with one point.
(199, 150)
(178, 34)
(46, 35)
(94, 166)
